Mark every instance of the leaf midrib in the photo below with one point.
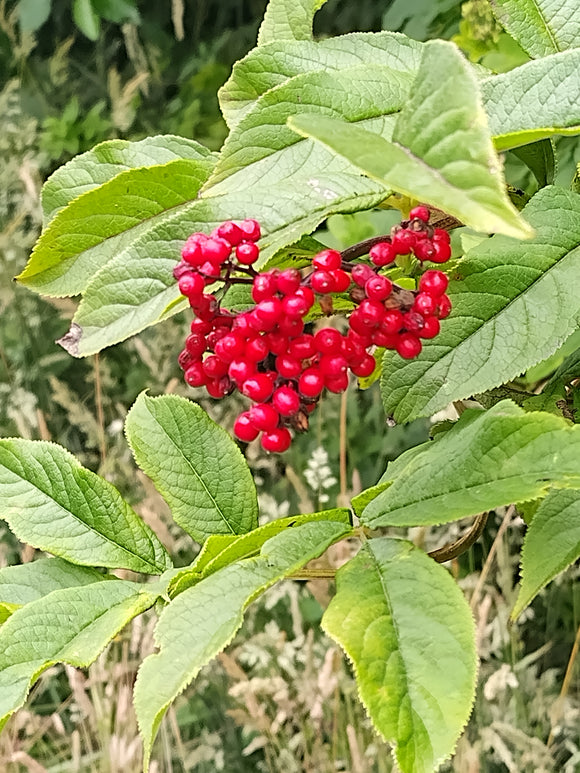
(549, 31)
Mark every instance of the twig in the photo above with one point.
(454, 549)
(559, 705)
(489, 560)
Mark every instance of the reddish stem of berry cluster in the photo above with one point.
(265, 352)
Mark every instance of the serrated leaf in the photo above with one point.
(441, 150)
(551, 544)
(410, 635)
(28, 582)
(514, 305)
(288, 20)
(194, 464)
(137, 289)
(360, 501)
(71, 625)
(500, 456)
(54, 504)
(261, 149)
(272, 64)
(541, 27)
(224, 550)
(202, 620)
(99, 224)
(108, 159)
(536, 100)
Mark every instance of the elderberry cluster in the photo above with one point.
(266, 353)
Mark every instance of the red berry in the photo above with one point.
(247, 253)
(425, 304)
(382, 254)
(264, 417)
(392, 322)
(241, 370)
(286, 401)
(205, 307)
(322, 282)
(361, 273)
(269, 312)
(194, 375)
(431, 328)
(184, 360)
(231, 232)
(214, 367)
(276, 441)
(219, 387)
(230, 347)
(200, 326)
(413, 322)
(386, 340)
(216, 250)
(256, 349)
(337, 384)
(311, 382)
(277, 342)
(433, 282)
(328, 341)
(444, 307)
(288, 281)
(378, 288)
(365, 367)
(408, 346)
(191, 285)
(258, 387)
(264, 286)
(403, 241)
(424, 250)
(307, 294)
(288, 367)
(244, 429)
(302, 347)
(291, 327)
(327, 260)
(192, 252)
(195, 344)
(442, 252)
(341, 280)
(352, 350)
(360, 324)
(210, 269)
(371, 312)
(251, 229)
(420, 212)
(441, 235)
(332, 365)
(295, 306)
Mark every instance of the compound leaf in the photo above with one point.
(54, 504)
(441, 150)
(413, 652)
(497, 457)
(202, 620)
(551, 544)
(541, 27)
(194, 464)
(71, 625)
(514, 305)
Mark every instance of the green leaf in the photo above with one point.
(441, 150)
(540, 159)
(54, 504)
(137, 289)
(33, 13)
(202, 620)
(541, 27)
(86, 19)
(410, 636)
(261, 149)
(362, 500)
(7, 609)
(108, 159)
(536, 100)
(499, 456)
(551, 544)
(515, 304)
(270, 65)
(28, 582)
(288, 20)
(99, 224)
(219, 550)
(194, 464)
(71, 625)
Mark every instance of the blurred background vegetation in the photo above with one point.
(282, 699)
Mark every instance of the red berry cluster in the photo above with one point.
(265, 352)
(413, 236)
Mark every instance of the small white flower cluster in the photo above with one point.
(318, 474)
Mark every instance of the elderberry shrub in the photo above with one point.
(266, 353)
